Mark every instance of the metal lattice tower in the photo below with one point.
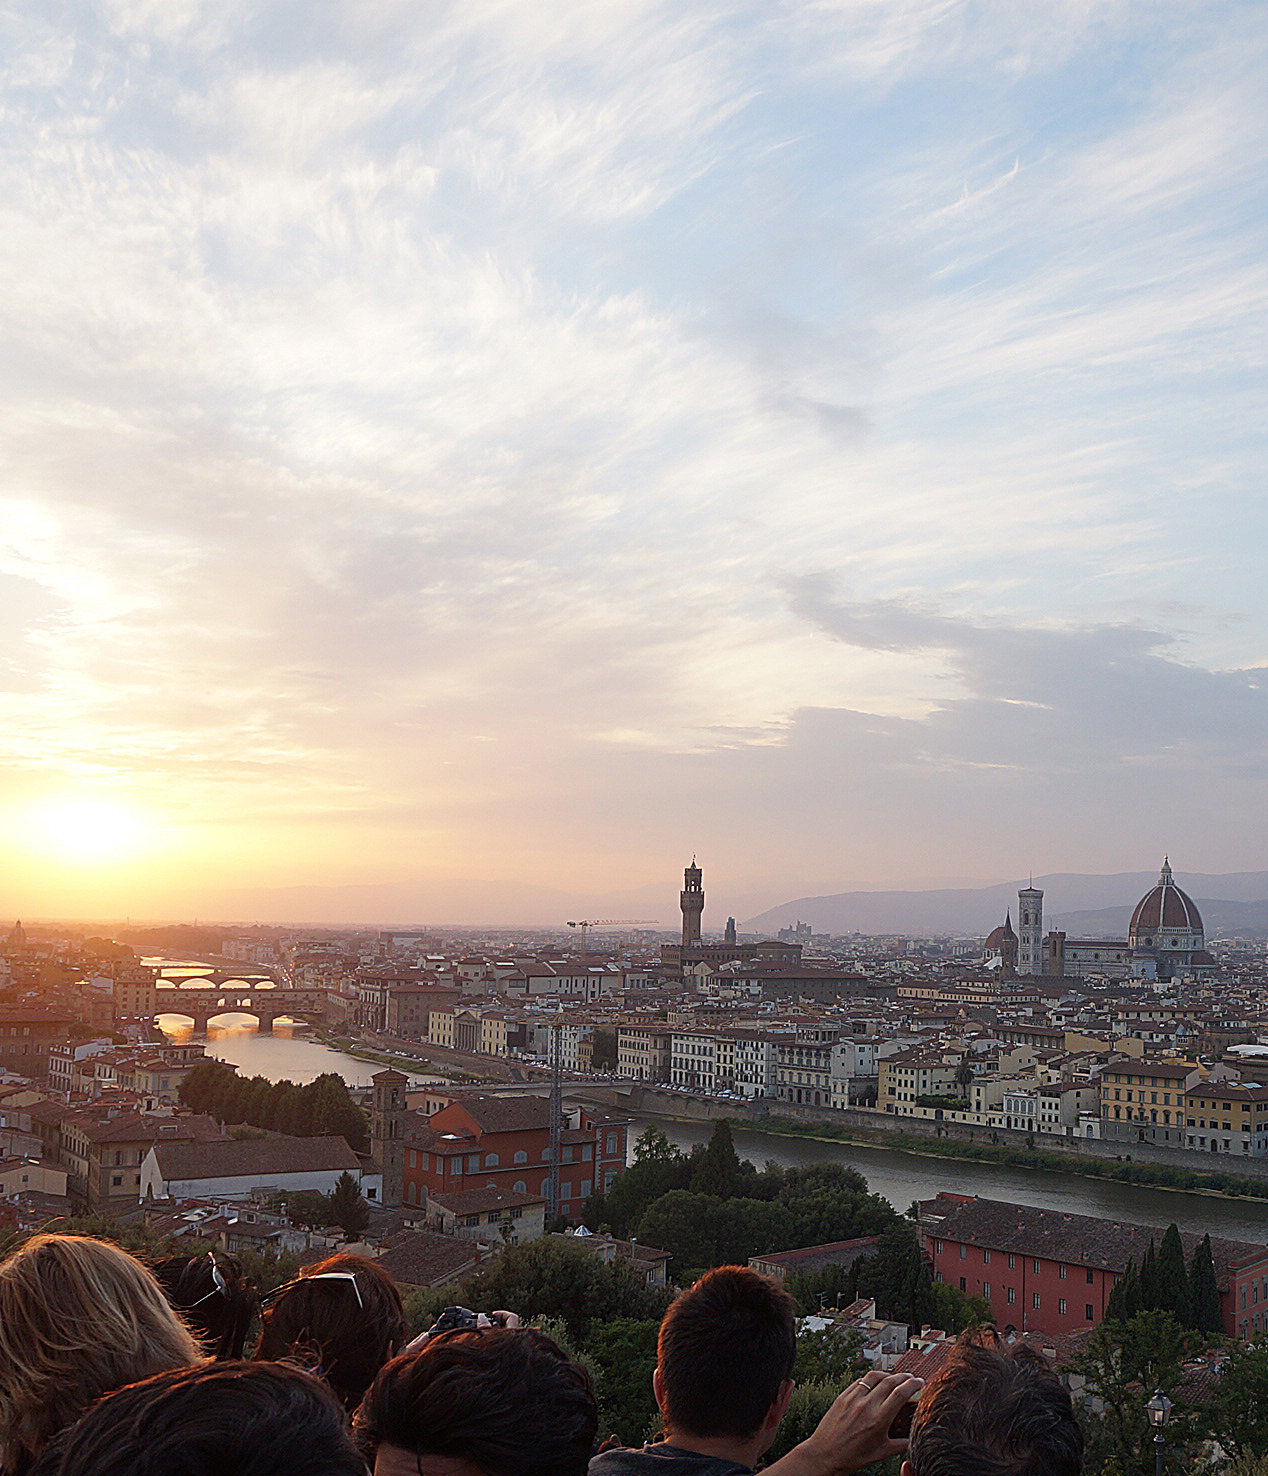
(556, 1118)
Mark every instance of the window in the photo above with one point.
(963, 1284)
(1012, 1263)
(1088, 1313)
(545, 1189)
(1012, 1293)
(986, 1290)
(1034, 1300)
(520, 1186)
(116, 1182)
(490, 1160)
(986, 1258)
(521, 1156)
(455, 1165)
(1061, 1272)
(1061, 1306)
(964, 1251)
(1091, 1277)
(1035, 1264)
(938, 1246)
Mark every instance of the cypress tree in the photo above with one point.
(1174, 1293)
(1124, 1300)
(1149, 1280)
(1207, 1316)
(718, 1167)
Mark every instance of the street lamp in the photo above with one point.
(1159, 1411)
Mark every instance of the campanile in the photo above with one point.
(691, 900)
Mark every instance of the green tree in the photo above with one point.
(1174, 1293)
(1207, 1316)
(1149, 1287)
(348, 1209)
(1241, 1400)
(641, 1185)
(1121, 1365)
(1123, 1301)
(554, 1277)
(829, 1355)
(955, 1310)
(307, 1208)
(717, 1170)
(898, 1278)
(653, 1146)
(624, 1353)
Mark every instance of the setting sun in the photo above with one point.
(87, 830)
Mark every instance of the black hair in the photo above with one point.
(213, 1297)
(508, 1401)
(726, 1346)
(250, 1419)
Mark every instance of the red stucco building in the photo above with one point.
(479, 1142)
(1045, 1271)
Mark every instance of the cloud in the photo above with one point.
(416, 417)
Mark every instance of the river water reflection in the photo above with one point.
(902, 1177)
(284, 1054)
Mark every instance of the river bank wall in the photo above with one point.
(880, 1129)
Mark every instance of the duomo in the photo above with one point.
(1164, 940)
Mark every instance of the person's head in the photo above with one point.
(343, 1315)
(78, 1317)
(251, 1419)
(490, 1403)
(992, 1410)
(725, 1356)
(213, 1296)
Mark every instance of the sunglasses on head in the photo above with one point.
(348, 1276)
(219, 1288)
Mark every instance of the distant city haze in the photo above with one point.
(460, 461)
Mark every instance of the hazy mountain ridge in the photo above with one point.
(1220, 918)
(1069, 898)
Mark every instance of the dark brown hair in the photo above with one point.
(345, 1333)
(995, 1410)
(254, 1419)
(508, 1401)
(726, 1346)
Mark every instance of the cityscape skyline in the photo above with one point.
(477, 450)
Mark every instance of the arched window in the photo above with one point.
(520, 1187)
(521, 1156)
(490, 1160)
(545, 1189)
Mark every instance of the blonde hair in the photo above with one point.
(78, 1318)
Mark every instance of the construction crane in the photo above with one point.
(605, 922)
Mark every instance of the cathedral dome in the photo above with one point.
(1165, 908)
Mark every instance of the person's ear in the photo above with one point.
(780, 1404)
(906, 1470)
(658, 1388)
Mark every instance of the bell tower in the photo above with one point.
(387, 1122)
(1030, 930)
(691, 900)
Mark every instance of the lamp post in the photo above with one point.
(1159, 1411)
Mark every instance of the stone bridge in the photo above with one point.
(204, 1002)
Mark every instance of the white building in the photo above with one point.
(252, 1168)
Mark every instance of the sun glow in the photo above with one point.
(89, 831)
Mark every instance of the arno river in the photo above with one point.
(900, 1177)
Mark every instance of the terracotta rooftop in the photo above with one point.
(231, 1158)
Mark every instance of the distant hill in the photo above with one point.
(1071, 900)
(1222, 919)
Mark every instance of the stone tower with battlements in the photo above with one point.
(691, 900)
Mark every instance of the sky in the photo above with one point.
(460, 460)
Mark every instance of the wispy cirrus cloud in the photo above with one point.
(426, 412)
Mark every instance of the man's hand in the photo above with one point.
(855, 1430)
